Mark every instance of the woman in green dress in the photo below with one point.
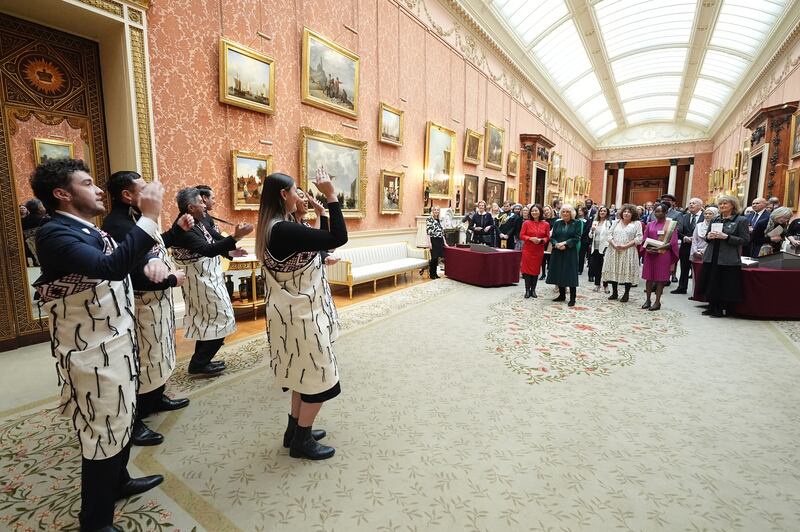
(563, 270)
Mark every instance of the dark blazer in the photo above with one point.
(118, 224)
(479, 222)
(685, 228)
(738, 231)
(752, 216)
(757, 235)
(66, 246)
(194, 240)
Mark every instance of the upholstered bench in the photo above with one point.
(361, 265)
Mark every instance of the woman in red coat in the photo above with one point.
(535, 234)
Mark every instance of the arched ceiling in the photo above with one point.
(619, 64)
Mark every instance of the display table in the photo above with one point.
(252, 298)
(497, 268)
(770, 293)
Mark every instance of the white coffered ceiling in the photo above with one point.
(618, 64)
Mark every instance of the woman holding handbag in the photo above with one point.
(598, 235)
(483, 226)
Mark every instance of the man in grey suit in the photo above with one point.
(685, 231)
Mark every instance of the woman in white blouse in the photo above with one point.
(698, 249)
(621, 263)
(599, 234)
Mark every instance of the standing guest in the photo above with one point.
(591, 208)
(758, 221)
(793, 236)
(564, 261)
(37, 215)
(621, 264)
(693, 216)
(504, 213)
(23, 211)
(556, 206)
(640, 212)
(208, 318)
(550, 218)
(599, 233)
(535, 235)
(648, 212)
(699, 245)
(584, 248)
(521, 219)
(773, 203)
(612, 212)
(436, 233)
(483, 225)
(302, 322)
(207, 195)
(659, 259)
(495, 210)
(87, 294)
(779, 218)
(469, 220)
(154, 307)
(509, 229)
(721, 277)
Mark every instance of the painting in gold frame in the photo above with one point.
(248, 171)
(495, 138)
(246, 77)
(727, 181)
(49, 149)
(569, 191)
(555, 163)
(717, 178)
(511, 195)
(390, 125)
(794, 136)
(791, 189)
(346, 162)
(391, 200)
(440, 145)
(737, 163)
(493, 191)
(473, 147)
(745, 156)
(329, 75)
(513, 164)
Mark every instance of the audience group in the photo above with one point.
(655, 244)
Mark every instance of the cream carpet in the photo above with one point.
(471, 409)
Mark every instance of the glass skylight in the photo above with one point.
(723, 66)
(744, 25)
(650, 85)
(664, 61)
(664, 101)
(712, 90)
(583, 89)
(698, 119)
(530, 18)
(611, 126)
(593, 107)
(562, 54)
(652, 115)
(600, 120)
(630, 25)
(703, 107)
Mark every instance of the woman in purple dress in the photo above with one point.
(660, 246)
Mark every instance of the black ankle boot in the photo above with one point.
(534, 281)
(562, 294)
(614, 293)
(626, 295)
(527, 286)
(571, 302)
(305, 446)
(290, 430)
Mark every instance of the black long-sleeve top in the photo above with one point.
(195, 241)
(291, 237)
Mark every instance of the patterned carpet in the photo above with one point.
(470, 409)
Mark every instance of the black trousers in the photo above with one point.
(204, 351)
(146, 402)
(100, 483)
(437, 251)
(582, 254)
(596, 267)
(686, 266)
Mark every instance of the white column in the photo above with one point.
(605, 185)
(673, 176)
(688, 193)
(620, 182)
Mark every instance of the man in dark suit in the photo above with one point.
(155, 313)
(85, 290)
(758, 224)
(685, 232)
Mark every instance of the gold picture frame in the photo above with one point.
(44, 149)
(745, 167)
(511, 195)
(493, 191)
(494, 142)
(248, 171)
(512, 167)
(727, 181)
(473, 147)
(246, 77)
(345, 160)
(791, 189)
(440, 145)
(391, 192)
(338, 95)
(794, 136)
(390, 125)
(737, 163)
(555, 163)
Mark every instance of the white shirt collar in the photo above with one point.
(81, 220)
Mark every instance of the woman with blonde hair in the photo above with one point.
(721, 277)
(564, 260)
(302, 320)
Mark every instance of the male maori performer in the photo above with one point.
(155, 310)
(209, 313)
(88, 298)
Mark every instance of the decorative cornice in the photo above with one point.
(144, 4)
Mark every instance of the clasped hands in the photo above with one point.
(717, 235)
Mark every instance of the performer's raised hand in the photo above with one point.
(325, 185)
(238, 252)
(186, 222)
(242, 230)
(156, 271)
(150, 200)
(317, 206)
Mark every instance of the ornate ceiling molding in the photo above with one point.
(653, 134)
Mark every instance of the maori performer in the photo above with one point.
(87, 295)
(155, 309)
(209, 313)
(301, 317)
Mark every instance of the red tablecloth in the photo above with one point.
(770, 293)
(497, 268)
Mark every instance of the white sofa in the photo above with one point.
(361, 265)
